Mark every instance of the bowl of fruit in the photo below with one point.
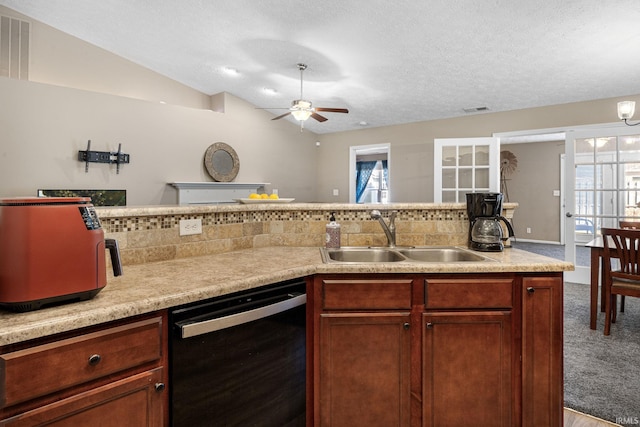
(263, 198)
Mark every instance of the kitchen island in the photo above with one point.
(127, 320)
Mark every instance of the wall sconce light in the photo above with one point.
(626, 110)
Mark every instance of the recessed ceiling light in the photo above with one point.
(269, 91)
(230, 71)
(363, 123)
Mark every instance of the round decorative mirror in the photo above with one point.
(221, 162)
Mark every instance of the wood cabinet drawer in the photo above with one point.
(468, 293)
(132, 401)
(388, 294)
(40, 370)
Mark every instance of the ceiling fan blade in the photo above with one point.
(282, 115)
(332, 110)
(318, 117)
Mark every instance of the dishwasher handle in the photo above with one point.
(204, 327)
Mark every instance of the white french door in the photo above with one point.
(465, 165)
(602, 172)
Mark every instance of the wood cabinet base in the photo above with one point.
(431, 350)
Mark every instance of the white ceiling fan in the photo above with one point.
(301, 109)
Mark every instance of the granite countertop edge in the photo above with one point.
(134, 211)
(147, 288)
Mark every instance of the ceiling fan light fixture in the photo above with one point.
(301, 115)
(301, 110)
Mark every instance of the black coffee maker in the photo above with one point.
(485, 215)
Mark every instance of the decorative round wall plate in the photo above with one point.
(221, 162)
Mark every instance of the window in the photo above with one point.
(376, 188)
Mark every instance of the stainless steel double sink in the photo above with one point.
(432, 254)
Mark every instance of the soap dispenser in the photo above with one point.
(332, 239)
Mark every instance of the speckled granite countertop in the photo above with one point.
(154, 286)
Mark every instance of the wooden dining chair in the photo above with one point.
(631, 225)
(622, 278)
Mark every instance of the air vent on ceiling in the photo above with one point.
(14, 48)
(476, 109)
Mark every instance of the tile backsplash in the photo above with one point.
(153, 234)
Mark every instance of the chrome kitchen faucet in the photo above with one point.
(389, 230)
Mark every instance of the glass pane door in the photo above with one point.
(607, 183)
(606, 189)
(465, 165)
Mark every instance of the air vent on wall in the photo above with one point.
(475, 109)
(14, 48)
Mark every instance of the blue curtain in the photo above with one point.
(363, 173)
(385, 174)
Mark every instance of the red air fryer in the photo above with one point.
(52, 250)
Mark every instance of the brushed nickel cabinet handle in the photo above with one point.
(159, 387)
(531, 289)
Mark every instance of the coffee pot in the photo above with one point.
(485, 222)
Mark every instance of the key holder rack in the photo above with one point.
(110, 157)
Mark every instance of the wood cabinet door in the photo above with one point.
(364, 369)
(467, 369)
(134, 401)
(542, 351)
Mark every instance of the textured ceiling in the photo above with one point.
(387, 62)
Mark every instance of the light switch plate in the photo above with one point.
(190, 226)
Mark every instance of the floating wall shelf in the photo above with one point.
(191, 193)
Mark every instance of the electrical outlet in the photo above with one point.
(336, 192)
(528, 230)
(190, 226)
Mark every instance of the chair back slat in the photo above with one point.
(626, 244)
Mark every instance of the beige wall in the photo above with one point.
(79, 92)
(532, 186)
(44, 127)
(411, 153)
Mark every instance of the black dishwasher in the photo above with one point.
(239, 359)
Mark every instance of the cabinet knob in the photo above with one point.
(405, 326)
(94, 359)
(531, 289)
(429, 325)
(159, 387)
